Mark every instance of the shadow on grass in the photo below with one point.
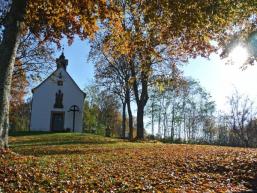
(28, 133)
(58, 138)
(251, 183)
(52, 151)
(32, 143)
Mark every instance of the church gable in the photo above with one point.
(59, 77)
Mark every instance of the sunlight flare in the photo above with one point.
(239, 55)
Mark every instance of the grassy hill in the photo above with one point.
(55, 162)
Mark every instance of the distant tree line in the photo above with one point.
(188, 115)
(183, 112)
(101, 112)
(238, 126)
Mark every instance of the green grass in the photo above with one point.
(47, 139)
(56, 162)
(27, 133)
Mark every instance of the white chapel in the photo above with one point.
(57, 103)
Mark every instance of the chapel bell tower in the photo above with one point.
(62, 62)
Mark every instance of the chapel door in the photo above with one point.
(57, 123)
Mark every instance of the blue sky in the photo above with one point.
(218, 79)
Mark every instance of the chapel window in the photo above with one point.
(59, 82)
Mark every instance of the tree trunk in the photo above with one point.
(159, 123)
(152, 119)
(141, 99)
(164, 124)
(141, 105)
(123, 120)
(172, 133)
(131, 128)
(8, 48)
(184, 124)
(189, 129)
(127, 99)
(140, 121)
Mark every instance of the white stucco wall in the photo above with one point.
(44, 99)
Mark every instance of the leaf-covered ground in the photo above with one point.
(87, 163)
